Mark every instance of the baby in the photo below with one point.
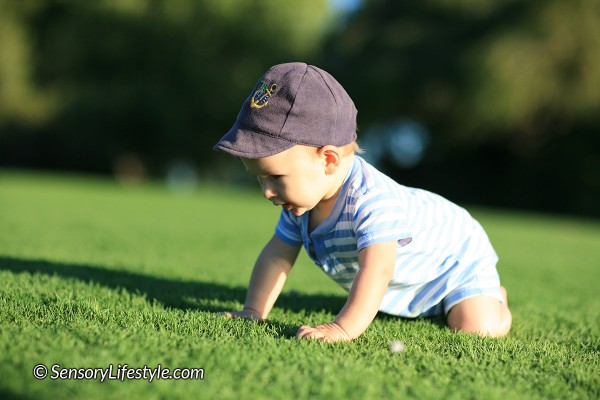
(395, 249)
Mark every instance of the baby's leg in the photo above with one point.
(483, 315)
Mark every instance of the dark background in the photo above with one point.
(508, 92)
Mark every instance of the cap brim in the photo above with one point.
(246, 143)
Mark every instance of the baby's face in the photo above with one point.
(294, 179)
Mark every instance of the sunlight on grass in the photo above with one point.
(94, 274)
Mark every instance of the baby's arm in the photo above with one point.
(268, 277)
(376, 271)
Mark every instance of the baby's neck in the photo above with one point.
(325, 207)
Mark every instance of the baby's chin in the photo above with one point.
(294, 209)
(297, 211)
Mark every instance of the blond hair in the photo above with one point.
(345, 151)
(351, 148)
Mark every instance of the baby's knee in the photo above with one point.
(482, 315)
(483, 326)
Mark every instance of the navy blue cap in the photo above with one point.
(291, 104)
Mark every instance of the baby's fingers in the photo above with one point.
(310, 332)
(304, 329)
(305, 332)
(327, 332)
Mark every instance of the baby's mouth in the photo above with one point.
(285, 206)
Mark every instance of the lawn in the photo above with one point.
(97, 275)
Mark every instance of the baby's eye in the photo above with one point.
(275, 177)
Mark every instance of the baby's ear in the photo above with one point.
(330, 157)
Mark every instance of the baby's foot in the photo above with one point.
(504, 294)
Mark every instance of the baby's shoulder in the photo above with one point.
(370, 184)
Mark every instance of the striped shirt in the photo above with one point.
(438, 242)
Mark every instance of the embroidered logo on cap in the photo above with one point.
(261, 96)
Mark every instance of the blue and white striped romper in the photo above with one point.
(443, 257)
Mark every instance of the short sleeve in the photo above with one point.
(289, 229)
(380, 217)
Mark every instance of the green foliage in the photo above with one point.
(502, 67)
(20, 97)
(93, 274)
(508, 89)
(160, 79)
(544, 62)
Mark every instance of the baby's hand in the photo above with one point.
(245, 314)
(330, 332)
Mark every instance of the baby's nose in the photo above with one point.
(268, 193)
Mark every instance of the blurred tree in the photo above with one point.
(162, 79)
(508, 89)
(20, 99)
(511, 65)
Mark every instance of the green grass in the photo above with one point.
(93, 274)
